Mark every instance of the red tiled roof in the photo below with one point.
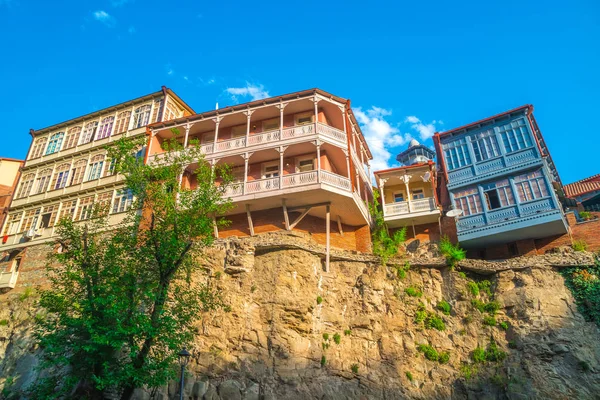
(583, 186)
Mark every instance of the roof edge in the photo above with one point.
(481, 121)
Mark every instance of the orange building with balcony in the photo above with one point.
(299, 160)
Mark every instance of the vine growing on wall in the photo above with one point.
(584, 283)
(384, 245)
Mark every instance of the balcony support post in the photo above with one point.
(281, 106)
(339, 221)
(217, 122)
(286, 218)
(382, 182)
(246, 159)
(328, 234)
(318, 161)
(248, 115)
(281, 151)
(406, 179)
(185, 138)
(316, 101)
(249, 215)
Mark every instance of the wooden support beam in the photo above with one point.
(340, 225)
(327, 233)
(327, 203)
(297, 220)
(250, 226)
(285, 215)
(215, 227)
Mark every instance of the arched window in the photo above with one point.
(55, 143)
(105, 128)
(43, 180)
(141, 116)
(26, 185)
(95, 169)
(38, 147)
(60, 176)
(157, 107)
(72, 137)
(88, 132)
(122, 122)
(77, 172)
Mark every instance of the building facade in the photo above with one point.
(408, 194)
(497, 171)
(67, 170)
(299, 160)
(10, 170)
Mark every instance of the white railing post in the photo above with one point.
(382, 182)
(318, 161)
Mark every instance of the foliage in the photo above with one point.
(121, 304)
(402, 270)
(503, 325)
(491, 354)
(490, 307)
(27, 293)
(3, 322)
(413, 291)
(354, 368)
(323, 361)
(409, 376)
(444, 357)
(473, 288)
(319, 299)
(325, 345)
(478, 355)
(337, 338)
(347, 332)
(579, 245)
(468, 371)
(452, 252)
(462, 275)
(434, 322)
(384, 245)
(326, 336)
(420, 316)
(444, 307)
(489, 320)
(584, 284)
(585, 215)
(432, 354)
(484, 286)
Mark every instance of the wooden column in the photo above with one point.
(250, 225)
(248, 115)
(217, 122)
(246, 159)
(328, 234)
(187, 134)
(381, 192)
(281, 151)
(318, 161)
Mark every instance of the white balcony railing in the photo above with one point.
(300, 179)
(236, 143)
(420, 205)
(8, 279)
(261, 185)
(262, 138)
(297, 131)
(335, 180)
(331, 132)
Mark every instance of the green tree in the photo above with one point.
(123, 302)
(384, 245)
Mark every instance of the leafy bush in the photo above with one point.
(484, 286)
(584, 283)
(323, 361)
(444, 358)
(325, 345)
(420, 316)
(409, 376)
(434, 322)
(579, 245)
(444, 307)
(347, 332)
(452, 252)
(462, 275)
(354, 368)
(478, 355)
(337, 338)
(473, 288)
(503, 325)
(491, 308)
(413, 291)
(401, 271)
(468, 371)
(319, 299)
(326, 336)
(429, 352)
(3, 322)
(384, 245)
(585, 215)
(489, 320)
(491, 354)
(27, 293)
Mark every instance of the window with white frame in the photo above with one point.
(105, 128)
(270, 170)
(485, 145)
(110, 167)
(55, 143)
(31, 219)
(122, 123)
(531, 186)
(43, 180)
(85, 208)
(238, 131)
(456, 154)
(468, 201)
(305, 164)
(38, 147)
(67, 210)
(270, 124)
(26, 185)
(123, 201)
(72, 137)
(398, 197)
(89, 131)
(515, 135)
(49, 216)
(498, 194)
(61, 176)
(157, 107)
(304, 118)
(95, 168)
(418, 194)
(171, 111)
(141, 116)
(77, 172)
(12, 224)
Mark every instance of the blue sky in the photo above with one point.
(411, 67)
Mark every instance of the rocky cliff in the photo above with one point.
(412, 330)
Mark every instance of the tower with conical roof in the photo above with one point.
(416, 154)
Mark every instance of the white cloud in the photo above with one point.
(426, 131)
(104, 17)
(131, 30)
(380, 135)
(255, 92)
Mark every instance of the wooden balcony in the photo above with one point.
(419, 211)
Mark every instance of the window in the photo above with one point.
(418, 194)
(103, 201)
(12, 224)
(398, 197)
(308, 164)
(105, 128)
(270, 124)
(77, 172)
(30, 220)
(85, 208)
(305, 118)
(72, 137)
(110, 167)
(208, 138)
(140, 154)
(55, 143)
(531, 186)
(60, 176)
(95, 169)
(67, 210)
(485, 145)
(141, 116)
(49, 216)
(468, 201)
(238, 131)
(498, 194)
(38, 147)
(271, 170)
(157, 107)
(16, 264)
(171, 111)
(122, 123)
(123, 201)
(26, 185)
(456, 154)
(515, 135)
(43, 180)
(88, 132)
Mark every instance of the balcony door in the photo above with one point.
(270, 170)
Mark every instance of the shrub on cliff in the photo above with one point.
(121, 304)
(452, 252)
(384, 245)
(584, 283)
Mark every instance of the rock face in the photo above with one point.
(297, 332)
